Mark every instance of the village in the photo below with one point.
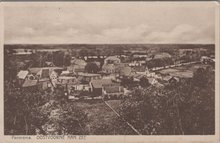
(109, 69)
(109, 77)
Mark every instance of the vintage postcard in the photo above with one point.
(125, 71)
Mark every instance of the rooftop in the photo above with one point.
(162, 55)
(98, 83)
(29, 83)
(113, 89)
(112, 58)
(22, 74)
(88, 74)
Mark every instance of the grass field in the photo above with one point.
(183, 71)
(98, 113)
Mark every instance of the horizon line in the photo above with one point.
(109, 44)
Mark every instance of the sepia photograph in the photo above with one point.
(109, 68)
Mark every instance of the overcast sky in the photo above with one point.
(109, 22)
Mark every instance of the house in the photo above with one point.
(21, 76)
(87, 77)
(77, 65)
(109, 91)
(30, 85)
(112, 60)
(97, 85)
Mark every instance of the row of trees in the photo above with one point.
(184, 108)
(29, 112)
(159, 62)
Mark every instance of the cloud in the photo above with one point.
(182, 33)
(109, 23)
(126, 34)
(28, 30)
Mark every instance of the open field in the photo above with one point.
(182, 71)
(98, 113)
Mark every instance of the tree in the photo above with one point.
(144, 82)
(184, 108)
(10, 69)
(58, 58)
(91, 67)
(32, 110)
(83, 53)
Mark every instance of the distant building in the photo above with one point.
(77, 65)
(112, 60)
(109, 91)
(87, 77)
(162, 55)
(21, 76)
(109, 68)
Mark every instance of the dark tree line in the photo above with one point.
(25, 112)
(184, 108)
(159, 62)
